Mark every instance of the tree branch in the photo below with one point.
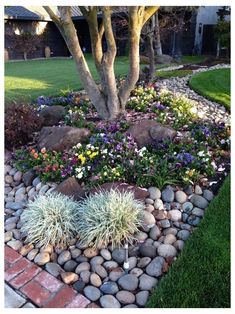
(149, 11)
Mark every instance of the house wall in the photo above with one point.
(50, 36)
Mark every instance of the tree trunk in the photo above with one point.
(158, 45)
(151, 56)
(218, 49)
(25, 55)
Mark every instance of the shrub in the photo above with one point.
(50, 219)
(21, 121)
(109, 217)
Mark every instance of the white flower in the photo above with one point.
(79, 175)
(105, 151)
(222, 142)
(201, 153)
(78, 145)
(88, 168)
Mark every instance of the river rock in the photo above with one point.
(109, 287)
(70, 266)
(143, 262)
(26, 249)
(169, 239)
(28, 177)
(69, 277)
(125, 297)
(183, 235)
(136, 272)
(31, 255)
(116, 273)
(128, 282)
(81, 267)
(95, 280)
(64, 257)
(167, 250)
(92, 293)
(199, 201)
(154, 232)
(18, 176)
(208, 195)
(168, 195)
(90, 252)
(15, 244)
(85, 276)
(147, 282)
(109, 301)
(148, 219)
(198, 212)
(142, 297)
(154, 192)
(54, 269)
(106, 254)
(42, 259)
(118, 255)
(180, 197)
(155, 268)
(148, 251)
(175, 215)
(100, 270)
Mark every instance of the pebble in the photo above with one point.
(14, 205)
(170, 231)
(115, 274)
(148, 219)
(106, 254)
(167, 250)
(183, 235)
(132, 262)
(155, 268)
(186, 227)
(189, 190)
(8, 236)
(36, 181)
(130, 306)
(100, 270)
(158, 204)
(85, 275)
(81, 259)
(165, 223)
(193, 220)
(109, 265)
(43, 190)
(95, 280)
(154, 192)
(96, 260)
(109, 287)
(147, 282)
(198, 212)
(12, 171)
(92, 293)
(47, 249)
(198, 190)
(81, 267)
(149, 201)
(109, 301)
(187, 207)
(42, 258)
(39, 186)
(64, 257)
(10, 226)
(175, 215)
(143, 262)
(21, 190)
(168, 195)
(128, 282)
(69, 277)
(154, 232)
(149, 208)
(70, 266)
(90, 252)
(180, 197)
(148, 251)
(8, 179)
(31, 255)
(199, 201)
(179, 244)
(17, 233)
(15, 244)
(20, 197)
(54, 269)
(26, 249)
(118, 255)
(28, 177)
(142, 297)
(125, 297)
(79, 285)
(136, 272)
(141, 236)
(75, 253)
(169, 239)
(7, 169)
(208, 195)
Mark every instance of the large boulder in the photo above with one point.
(139, 193)
(148, 132)
(61, 138)
(52, 115)
(71, 187)
(164, 59)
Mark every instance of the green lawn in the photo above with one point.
(192, 59)
(200, 277)
(214, 85)
(26, 80)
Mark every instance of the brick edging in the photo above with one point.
(39, 286)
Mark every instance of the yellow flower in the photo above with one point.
(94, 154)
(190, 173)
(82, 158)
(88, 152)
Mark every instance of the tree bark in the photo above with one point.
(151, 56)
(158, 45)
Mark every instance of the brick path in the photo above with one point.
(28, 285)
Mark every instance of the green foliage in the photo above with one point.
(222, 33)
(109, 217)
(141, 98)
(50, 219)
(21, 121)
(200, 277)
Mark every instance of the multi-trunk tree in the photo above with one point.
(108, 99)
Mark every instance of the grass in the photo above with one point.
(26, 80)
(200, 277)
(214, 85)
(192, 59)
(173, 73)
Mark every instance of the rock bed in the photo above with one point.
(170, 217)
(207, 109)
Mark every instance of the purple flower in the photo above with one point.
(160, 106)
(185, 158)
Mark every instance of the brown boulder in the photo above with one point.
(61, 138)
(71, 187)
(139, 193)
(146, 132)
(52, 115)
(164, 59)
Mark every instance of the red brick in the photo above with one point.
(6, 265)
(25, 276)
(11, 256)
(79, 301)
(36, 293)
(16, 269)
(62, 298)
(93, 306)
(48, 281)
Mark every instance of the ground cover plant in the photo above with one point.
(200, 278)
(214, 85)
(173, 73)
(111, 154)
